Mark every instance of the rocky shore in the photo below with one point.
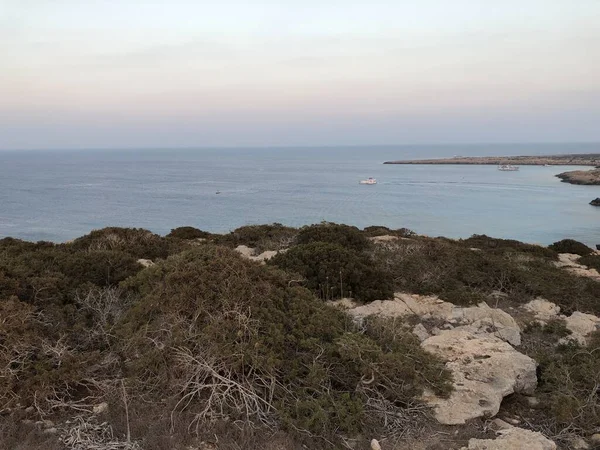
(586, 177)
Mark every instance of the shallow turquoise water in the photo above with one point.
(59, 195)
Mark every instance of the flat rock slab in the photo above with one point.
(485, 369)
(477, 319)
(513, 439)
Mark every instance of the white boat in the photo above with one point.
(507, 168)
(368, 181)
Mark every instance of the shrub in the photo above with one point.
(138, 242)
(484, 242)
(216, 335)
(569, 376)
(592, 261)
(373, 231)
(188, 233)
(571, 246)
(262, 237)
(333, 233)
(332, 271)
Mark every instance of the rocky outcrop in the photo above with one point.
(595, 202)
(587, 177)
(569, 262)
(145, 262)
(480, 319)
(485, 369)
(580, 325)
(542, 309)
(250, 253)
(513, 439)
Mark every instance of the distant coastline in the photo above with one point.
(587, 177)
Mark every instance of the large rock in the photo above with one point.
(250, 253)
(569, 262)
(513, 439)
(542, 309)
(480, 319)
(485, 370)
(581, 326)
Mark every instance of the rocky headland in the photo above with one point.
(588, 159)
(588, 177)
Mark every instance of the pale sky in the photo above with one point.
(127, 73)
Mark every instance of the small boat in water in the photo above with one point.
(507, 168)
(368, 181)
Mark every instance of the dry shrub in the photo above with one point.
(261, 237)
(221, 338)
(137, 242)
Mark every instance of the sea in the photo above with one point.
(58, 195)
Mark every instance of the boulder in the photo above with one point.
(250, 253)
(245, 251)
(513, 439)
(542, 309)
(485, 369)
(145, 262)
(581, 326)
(595, 202)
(420, 331)
(480, 319)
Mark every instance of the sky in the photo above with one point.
(128, 73)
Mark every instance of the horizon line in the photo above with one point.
(291, 147)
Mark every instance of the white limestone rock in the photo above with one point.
(485, 369)
(513, 439)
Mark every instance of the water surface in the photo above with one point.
(59, 195)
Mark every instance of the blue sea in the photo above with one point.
(57, 195)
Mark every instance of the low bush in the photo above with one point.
(333, 271)
(261, 237)
(138, 242)
(571, 246)
(484, 242)
(569, 378)
(333, 233)
(591, 261)
(221, 337)
(374, 231)
(188, 233)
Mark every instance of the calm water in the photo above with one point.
(59, 195)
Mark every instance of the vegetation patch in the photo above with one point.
(333, 271)
(571, 246)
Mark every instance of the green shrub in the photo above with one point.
(262, 237)
(569, 376)
(138, 242)
(208, 311)
(592, 261)
(332, 271)
(571, 246)
(484, 242)
(333, 233)
(188, 233)
(374, 231)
